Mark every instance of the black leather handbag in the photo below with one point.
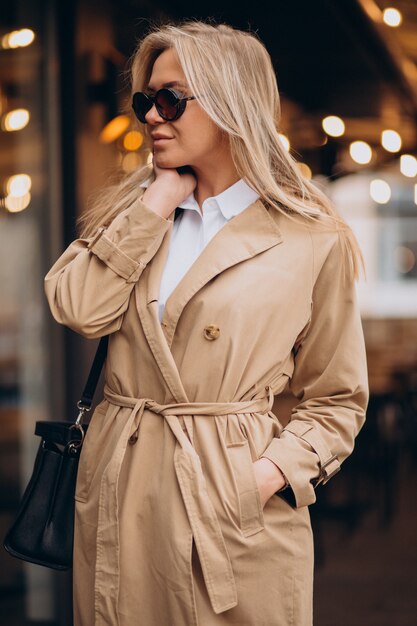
(43, 530)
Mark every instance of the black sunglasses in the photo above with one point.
(169, 103)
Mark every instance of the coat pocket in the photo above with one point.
(250, 508)
(90, 454)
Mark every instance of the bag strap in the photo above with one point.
(94, 375)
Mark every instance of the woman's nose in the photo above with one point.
(152, 116)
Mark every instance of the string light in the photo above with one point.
(114, 129)
(15, 120)
(131, 161)
(15, 204)
(18, 38)
(333, 126)
(18, 185)
(285, 141)
(380, 191)
(391, 140)
(133, 140)
(408, 165)
(360, 151)
(392, 17)
(305, 170)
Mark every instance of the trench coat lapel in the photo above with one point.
(147, 294)
(243, 237)
(247, 234)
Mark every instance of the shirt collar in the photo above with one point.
(230, 202)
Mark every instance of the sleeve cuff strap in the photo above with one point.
(114, 258)
(329, 464)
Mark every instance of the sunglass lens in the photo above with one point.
(167, 104)
(141, 105)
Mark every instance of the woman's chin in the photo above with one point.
(164, 162)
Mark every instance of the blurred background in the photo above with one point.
(347, 75)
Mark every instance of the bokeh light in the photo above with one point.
(380, 191)
(360, 152)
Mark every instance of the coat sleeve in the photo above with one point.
(330, 380)
(89, 286)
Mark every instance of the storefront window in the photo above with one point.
(27, 220)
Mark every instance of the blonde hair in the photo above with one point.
(233, 75)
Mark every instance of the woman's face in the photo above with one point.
(194, 138)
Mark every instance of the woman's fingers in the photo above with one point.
(269, 478)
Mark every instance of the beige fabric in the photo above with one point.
(169, 528)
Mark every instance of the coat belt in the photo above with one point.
(214, 558)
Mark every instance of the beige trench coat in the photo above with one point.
(169, 529)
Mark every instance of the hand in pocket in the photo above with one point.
(269, 478)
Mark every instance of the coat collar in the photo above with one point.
(243, 237)
(229, 202)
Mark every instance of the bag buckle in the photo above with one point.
(74, 446)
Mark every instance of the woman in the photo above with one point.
(228, 276)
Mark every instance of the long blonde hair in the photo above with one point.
(233, 75)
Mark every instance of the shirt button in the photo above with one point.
(211, 332)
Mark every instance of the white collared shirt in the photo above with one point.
(192, 231)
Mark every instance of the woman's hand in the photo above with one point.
(269, 478)
(169, 189)
(180, 180)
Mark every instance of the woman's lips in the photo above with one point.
(159, 142)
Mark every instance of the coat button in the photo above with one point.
(211, 332)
